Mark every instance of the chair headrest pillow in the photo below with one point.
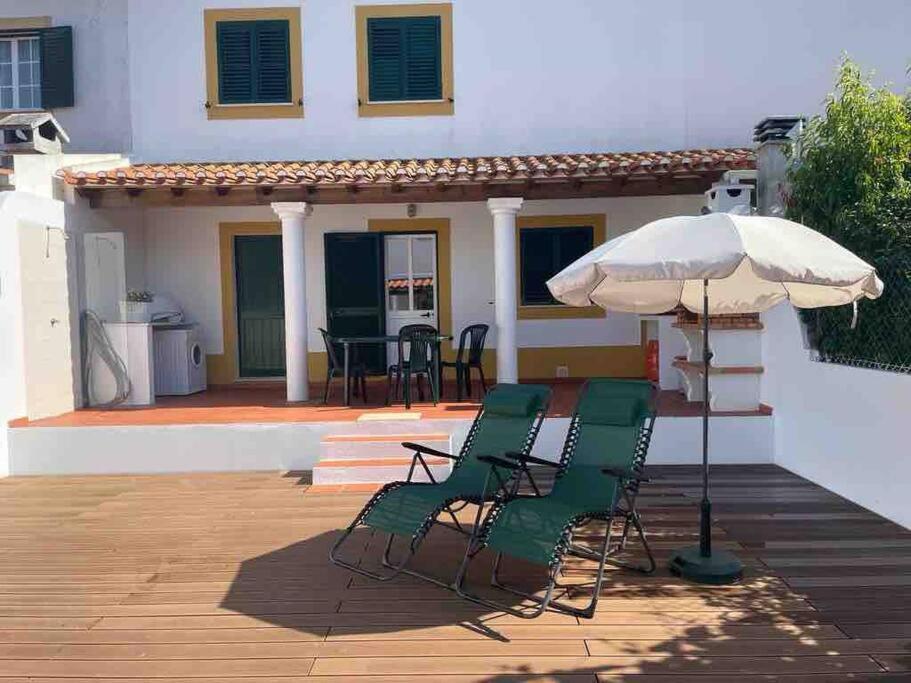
(614, 411)
(511, 403)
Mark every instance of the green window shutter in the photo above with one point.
(385, 49)
(273, 62)
(536, 245)
(254, 63)
(423, 77)
(404, 60)
(56, 67)
(235, 62)
(544, 252)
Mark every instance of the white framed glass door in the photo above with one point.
(410, 282)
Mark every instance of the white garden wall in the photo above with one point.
(296, 445)
(50, 221)
(841, 427)
(12, 375)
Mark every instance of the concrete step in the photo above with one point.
(376, 446)
(376, 470)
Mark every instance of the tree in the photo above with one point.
(850, 179)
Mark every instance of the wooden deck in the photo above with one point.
(217, 577)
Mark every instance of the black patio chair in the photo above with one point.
(416, 362)
(471, 346)
(357, 370)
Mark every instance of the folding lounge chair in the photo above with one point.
(597, 479)
(508, 420)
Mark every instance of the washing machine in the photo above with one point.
(180, 359)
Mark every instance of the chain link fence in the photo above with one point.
(881, 338)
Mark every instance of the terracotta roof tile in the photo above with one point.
(408, 171)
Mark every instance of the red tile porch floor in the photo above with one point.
(265, 402)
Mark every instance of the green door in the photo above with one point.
(260, 305)
(354, 291)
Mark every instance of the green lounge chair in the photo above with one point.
(597, 478)
(508, 420)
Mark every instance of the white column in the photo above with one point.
(504, 212)
(293, 216)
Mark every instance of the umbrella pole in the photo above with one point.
(705, 514)
(699, 563)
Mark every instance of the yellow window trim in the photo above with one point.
(223, 368)
(444, 107)
(18, 23)
(216, 110)
(599, 236)
(444, 263)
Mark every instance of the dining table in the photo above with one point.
(348, 341)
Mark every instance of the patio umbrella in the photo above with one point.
(715, 264)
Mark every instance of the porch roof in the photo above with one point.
(403, 180)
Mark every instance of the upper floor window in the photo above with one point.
(404, 60)
(253, 63)
(36, 64)
(20, 73)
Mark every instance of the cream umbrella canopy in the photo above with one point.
(715, 264)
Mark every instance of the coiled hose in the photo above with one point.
(95, 341)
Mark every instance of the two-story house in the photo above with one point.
(359, 165)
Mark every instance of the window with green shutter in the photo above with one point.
(543, 253)
(254, 64)
(404, 59)
(36, 68)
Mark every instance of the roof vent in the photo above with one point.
(773, 128)
(34, 132)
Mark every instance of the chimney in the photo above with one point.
(773, 134)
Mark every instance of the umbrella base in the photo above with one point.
(720, 568)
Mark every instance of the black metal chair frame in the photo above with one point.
(357, 373)
(463, 366)
(450, 506)
(411, 335)
(625, 510)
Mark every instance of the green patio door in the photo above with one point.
(354, 291)
(260, 305)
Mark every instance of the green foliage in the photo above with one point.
(851, 180)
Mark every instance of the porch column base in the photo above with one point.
(504, 210)
(293, 217)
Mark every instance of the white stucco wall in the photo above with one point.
(182, 259)
(12, 376)
(100, 119)
(841, 427)
(49, 222)
(530, 76)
